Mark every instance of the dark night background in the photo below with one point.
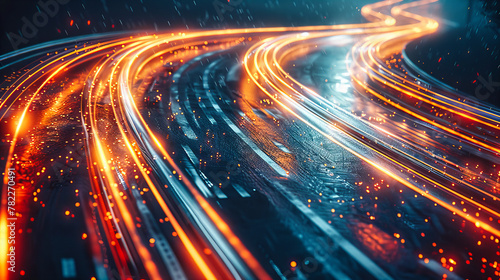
(467, 45)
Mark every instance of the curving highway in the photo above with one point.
(316, 152)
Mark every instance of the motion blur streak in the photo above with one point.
(310, 107)
(133, 171)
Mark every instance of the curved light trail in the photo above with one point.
(135, 172)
